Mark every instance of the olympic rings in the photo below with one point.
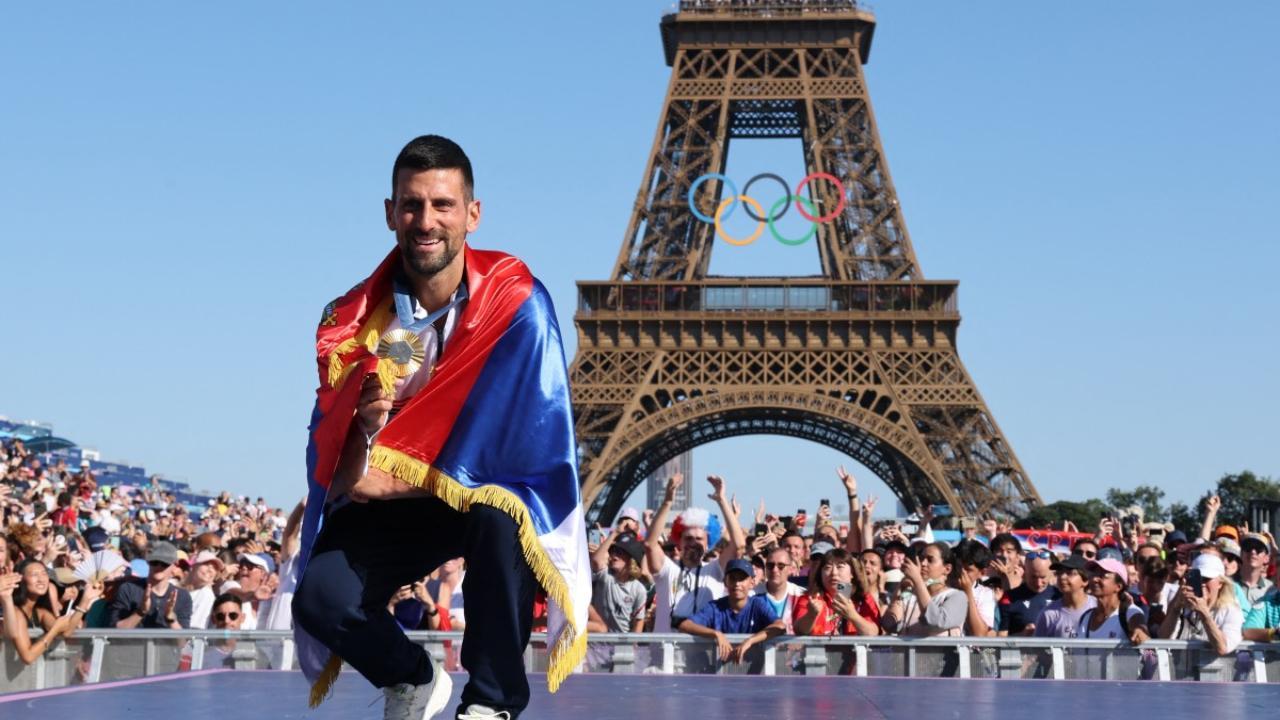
(776, 212)
(750, 238)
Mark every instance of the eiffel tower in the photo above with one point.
(861, 359)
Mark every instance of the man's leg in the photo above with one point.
(498, 591)
(363, 555)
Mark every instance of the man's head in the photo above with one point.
(739, 578)
(432, 205)
(1007, 547)
(894, 553)
(161, 559)
(973, 557)
(1255, 552)
(1085, 548)
(227, 613)
(778, 567)
(1038, 574)
(794, 544)
(693, 540)
(1071, 574)
(253, 571)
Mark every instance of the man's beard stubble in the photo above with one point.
(427, 268)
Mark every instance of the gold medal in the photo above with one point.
(404, 349)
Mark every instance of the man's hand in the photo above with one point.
(723, 649)
(717, 489)
(379, 485)
(374, 406)
(1213, 503)
(740, 652)
(9, 583)
(170, 606)
(850, 482)
(673, 484)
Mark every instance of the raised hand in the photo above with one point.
(869, 505)
(737, 509)
(673, 484)
(850, 482)
(717, 488)
(1213, 503)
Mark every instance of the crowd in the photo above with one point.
(74, 554)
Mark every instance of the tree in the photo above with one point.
(1237, 490)
(1185, 519)
(1085, 515)
(1147, 497)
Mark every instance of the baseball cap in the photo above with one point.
(740, 565)
(821, 548)
(205, 556)
(1228, 546)
(97, 538)
(1072, 562)
(895, 544)
(163, 552)
(631, 547)
(262, 560)
(631, 514)
(1210, 566)
(1175, 538)
(1255, 540)
(138, 568)
(84, 462)
(1110, 552)
(1227, 531)
(1112, 565)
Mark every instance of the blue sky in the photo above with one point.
(183, 188)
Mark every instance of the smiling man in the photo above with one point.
(442, 429)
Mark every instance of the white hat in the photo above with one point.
(1210, 566)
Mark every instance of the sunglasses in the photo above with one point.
(1088, 554)
(1039, 555)
(777, 566)
(158, 564)
(220, 617)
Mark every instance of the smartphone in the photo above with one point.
(845, 589)
(824, 502)
(800, 511)
(1195, 581)
(593, 536)
(761, 529)
(940, 511)
(787, 521)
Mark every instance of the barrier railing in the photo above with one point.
(95, 655)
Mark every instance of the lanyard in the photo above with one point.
(404, 308)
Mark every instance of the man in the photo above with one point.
(253, 585)
(442, 428)
(1061, 617)
(154, 603)
(1251, 578)
(682, 588)
(780, 592)
(739, 612)
(1028, 600)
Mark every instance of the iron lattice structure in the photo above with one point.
(862, 359)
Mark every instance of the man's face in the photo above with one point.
(1009, 553)
(1177, 568)
(893, 558)
(1070, 581)
(1144, 554)
(158, 572)
(778, 567)
(431, 216)
(738, 584)
(1087, 550)
(1038, 576)
(1256, 555)
(227, 616)
(795, 546)
(693, 546)
(249, 576)
(619, 560)
(871, 565)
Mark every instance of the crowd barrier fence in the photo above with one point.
(97, 655)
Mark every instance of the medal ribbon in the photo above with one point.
(404, 308)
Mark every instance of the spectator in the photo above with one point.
(1114, 614)
(839, 600)
(1061, 617)
(1086, 548)
(1152, 585)
(1026, 601)
(24, 602)
(1251, 578)
(944, 608)
(973, 558)
(738, 612)
(1006, 560)
(873, 567)
(777, 589)
(225, 615)
(198, 583)
(684, 587)
(253, 585)
(155, 602)
(617, 594)
(1210, 613)
(794, 543)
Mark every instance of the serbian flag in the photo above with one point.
(493, 426)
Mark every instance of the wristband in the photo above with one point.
(434, 612)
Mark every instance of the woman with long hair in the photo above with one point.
(24, 601)
(840, 600)
(1210, 612)
(931, 605)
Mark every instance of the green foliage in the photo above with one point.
(1184, 518)
(1236, 490)
(1085, 515)
(1147, 497)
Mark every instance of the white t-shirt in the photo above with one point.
(1110, 628)
(201, 606)
(681, 591)
(985, 598)
(793, 591)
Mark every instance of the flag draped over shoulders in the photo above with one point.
(492, 426)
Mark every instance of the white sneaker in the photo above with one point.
(480, 712)
(418, 702)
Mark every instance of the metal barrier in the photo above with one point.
(95, 655)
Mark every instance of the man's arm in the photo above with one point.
(653, 536)
(124, 610)
(737, 539)
(600, 558)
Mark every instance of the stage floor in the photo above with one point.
(249, 695)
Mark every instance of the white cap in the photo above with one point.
(1210, 566)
